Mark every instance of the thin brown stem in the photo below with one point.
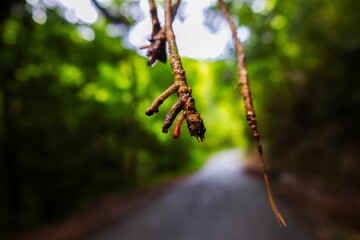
(154, 17)
(248, 104)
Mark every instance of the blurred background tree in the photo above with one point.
(307, 56)
(72, 99)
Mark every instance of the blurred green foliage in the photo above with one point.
(304, 71)
(72, 122)
(306, 61)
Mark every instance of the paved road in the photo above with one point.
(218, 203)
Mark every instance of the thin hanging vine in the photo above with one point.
(185, 105)
(249, 107)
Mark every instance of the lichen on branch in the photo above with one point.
(248, 104)
(185, 105)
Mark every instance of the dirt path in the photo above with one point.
(218, 203)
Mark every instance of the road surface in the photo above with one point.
(220, 202)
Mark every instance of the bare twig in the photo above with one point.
(248, 104)
(185, 101)
(156, 49)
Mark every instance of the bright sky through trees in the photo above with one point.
(195, 40)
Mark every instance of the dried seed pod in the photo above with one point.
(196, 126)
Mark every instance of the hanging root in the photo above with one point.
(185, 106)
(249, 108)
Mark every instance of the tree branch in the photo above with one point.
(248, 104)
(110, 15)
